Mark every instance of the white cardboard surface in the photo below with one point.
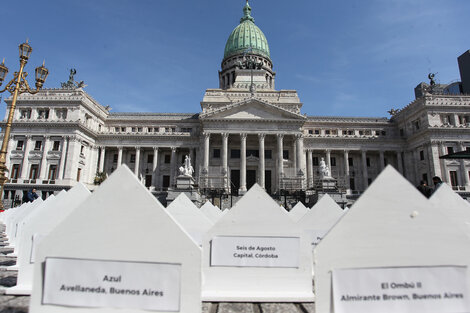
(39, 225)
(212, 212)
(391, 225)
(453, 206)
(189, 217)
(121, 221)
(256, 214)
(320, 218)
(298, 211)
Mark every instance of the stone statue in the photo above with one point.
(186, 169)
(431, 76)
(71, 83)
(324, 170)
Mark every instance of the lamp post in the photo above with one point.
(17, 85)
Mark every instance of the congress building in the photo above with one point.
(246, 132)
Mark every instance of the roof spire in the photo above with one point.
(247, 13)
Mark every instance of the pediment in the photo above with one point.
(252, 109)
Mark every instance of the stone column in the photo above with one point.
(294, 156)
(382, 160)
(102, 156)
(45, 149)
(206, 152)
(24, 167)
(172, 166)
(328, 159)
(365, 176)
(155, 167)
(73, 157)
(445, 173)
(462, 168)
(225, 158)
(119, 160)
(309, 168)
(302, 157)
(261, 160)
(137, 162)
(63, 155)
(280, 162)
(242, 163)
(10, 148)
(346, 169)
(400, 162)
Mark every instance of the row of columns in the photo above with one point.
(138, 150)
(298, 160)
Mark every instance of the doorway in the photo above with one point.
(235, 181)
(250, 178)
(267, 181)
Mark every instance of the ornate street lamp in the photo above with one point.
(16, 86)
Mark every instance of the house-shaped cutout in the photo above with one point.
(391, 225)
(256, 218)
(121, 222)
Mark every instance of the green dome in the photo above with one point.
(245, 36)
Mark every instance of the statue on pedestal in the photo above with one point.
(186, 169)
(324, 170)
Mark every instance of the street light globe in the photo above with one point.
(25, 51)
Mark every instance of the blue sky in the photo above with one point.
(345, 58)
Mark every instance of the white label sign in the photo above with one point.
(402, 289)
(95, 283)
(255, 251)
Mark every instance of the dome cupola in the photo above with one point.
(247, 36)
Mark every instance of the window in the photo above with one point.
(317, 132)
(52, 172)
(421, 155)
(453, 178)
(327, 132)
(123, 129)
(56, 146)
(25, 114)
(310, 131)
(467, 149)
(43, 114)
(350, 132)
(166, 181)
(149, 158)
(19, 145)
(115, 158)
(235, 153)
(252, 153)
(156, 130)
(216, 153)
(361, 132)
(268, 154)
(368, 132)
(350, 162)
(173, 129)
(425, 178)
(37, 145)
(333, 161)
(79, 172)
(132, 158)
(285, 154)
(368, 162)
(34, 171)
(82, 149)
(116, 129)
(416, 124)
(450, 150)
(15, 171)
(315, 161)
(167, 159)
(384, 133)
(139, 129)
(133, 129)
